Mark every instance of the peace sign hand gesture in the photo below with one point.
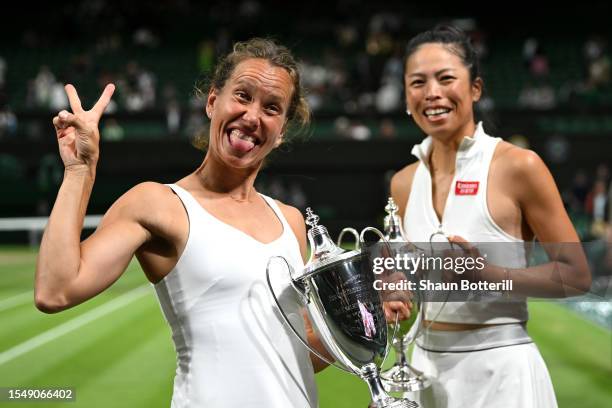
(77, 132)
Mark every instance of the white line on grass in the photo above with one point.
(74, 324)
(17, 300)
(39, 223)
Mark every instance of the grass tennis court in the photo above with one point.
(116, 350)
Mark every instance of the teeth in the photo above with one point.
(238, 134)
(431, 112)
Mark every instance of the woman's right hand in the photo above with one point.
(77, 132)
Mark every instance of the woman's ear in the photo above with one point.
(281, 137)
(210, 102)
(477, 86)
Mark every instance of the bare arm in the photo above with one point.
(296, 221)
(69, 272)
(401, 184)
(567, 273)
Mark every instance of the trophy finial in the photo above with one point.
(393, 223)
(391, 207)
(321, 244)
(311, 218)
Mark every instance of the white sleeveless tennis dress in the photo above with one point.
(233, 349)
(493, 367)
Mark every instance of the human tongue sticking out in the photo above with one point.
(241, 142)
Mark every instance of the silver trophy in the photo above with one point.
(344, 308)
(402, 377)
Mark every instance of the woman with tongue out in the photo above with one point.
(203, 242)
(471, 187)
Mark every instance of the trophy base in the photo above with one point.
(403, 378)
(380, 398)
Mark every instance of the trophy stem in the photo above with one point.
(380, 398)
(400, 350)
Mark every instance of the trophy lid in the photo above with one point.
(323, 250)
(393, 224)
(321, 244)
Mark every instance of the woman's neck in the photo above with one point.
(218, 178)
(443, 156)
(444, 150)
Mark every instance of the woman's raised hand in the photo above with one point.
(77, 132)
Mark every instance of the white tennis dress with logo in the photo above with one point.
(498, 366)
(233, 349)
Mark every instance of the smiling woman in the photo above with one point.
(446, 67)
(248, 115)
(470, 186)
(298, 112)
(203, 242)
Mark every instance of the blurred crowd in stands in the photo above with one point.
(351, 62)
(538, 93)
(589, 202)
(351, 66)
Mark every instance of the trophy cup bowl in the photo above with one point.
(346, 311)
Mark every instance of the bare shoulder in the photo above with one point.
(151, 190)
(518, 161)
(525, 176)
(296, 222)
(144, 197)
(522, 171)
(405, 175)
(401, 184)
(150, 204)
(293, 215)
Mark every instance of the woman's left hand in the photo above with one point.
(467, 250)
(395, 307)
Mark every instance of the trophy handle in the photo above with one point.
(351, 231)
(423, 304)
(303, 293)
(395, 330)
(375, 231)
(416, 328)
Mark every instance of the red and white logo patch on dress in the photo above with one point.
(466, 187)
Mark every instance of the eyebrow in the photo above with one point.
(276, 98)
(419, 74)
